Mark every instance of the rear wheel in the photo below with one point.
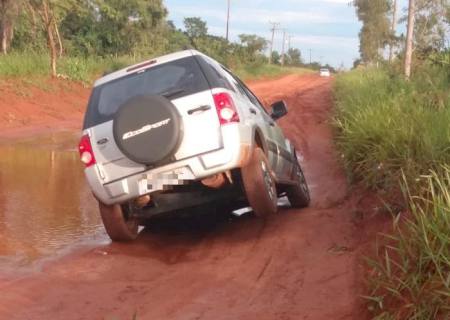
(259, 184)
(118, 222)
(298, 194)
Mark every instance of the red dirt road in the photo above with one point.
(298, 264)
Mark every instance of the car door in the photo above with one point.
(258, 115)
(283, 162)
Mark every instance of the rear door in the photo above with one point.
(180, 81)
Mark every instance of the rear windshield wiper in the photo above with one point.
(169, 94)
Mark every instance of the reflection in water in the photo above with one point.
(45, 204)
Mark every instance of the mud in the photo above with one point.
(45, 205)
(298, 264)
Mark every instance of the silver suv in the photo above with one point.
(178, 132)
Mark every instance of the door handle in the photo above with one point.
(199, 109)
(252, 110)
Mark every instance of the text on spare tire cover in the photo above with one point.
(145, 128)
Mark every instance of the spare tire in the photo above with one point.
(148, 129)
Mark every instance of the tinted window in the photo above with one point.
(214, 74)
(246, 92)
(174, 79)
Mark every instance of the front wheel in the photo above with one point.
(118, 222)
(298, 194)
(259, 184)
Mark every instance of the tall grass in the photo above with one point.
(386, 125)
(410, 277)
(395, 133)
(86, 69)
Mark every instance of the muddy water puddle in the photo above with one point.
(46, 208)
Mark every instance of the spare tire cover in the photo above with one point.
(148, 129)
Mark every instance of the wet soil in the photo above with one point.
(30, 107)
(298, 264)
(45, 205)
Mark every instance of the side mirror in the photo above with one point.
(279, 110)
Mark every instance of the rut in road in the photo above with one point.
(299, 264)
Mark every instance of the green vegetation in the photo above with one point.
(394, 133)
(251, 72)
(410, 279)
(86, 69)
(387, 125)
(81, 39)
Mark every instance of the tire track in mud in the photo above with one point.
(287, 267)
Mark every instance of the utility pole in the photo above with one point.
(409, 38)
(310, 57)
(228, 19)
(393, 29)
(289, 42)
(275, 26)
(283, 47)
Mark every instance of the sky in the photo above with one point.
(329, 28)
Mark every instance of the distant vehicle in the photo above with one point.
(324, 72)
(178, 132)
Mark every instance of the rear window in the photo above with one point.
(174, 79)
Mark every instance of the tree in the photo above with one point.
(127, 26)
(275, 57)
(195, 27)
(409, 38)
(430, 25)
(393, 30)
(9, 11)
(294, 57)
(375, 32)
(254, 44)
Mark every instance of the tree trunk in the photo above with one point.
(409, 38)
(393, 30)
(48, 20)
(60, 45)
(4, 40)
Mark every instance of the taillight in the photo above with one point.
(226, 110)
(86, 153)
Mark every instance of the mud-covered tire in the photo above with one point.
(118, 224)
(259, 184)
(298, 194)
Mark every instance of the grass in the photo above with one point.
(250, 72)
(386, 126)
(393, 135)
(25, 65)
(410, 277)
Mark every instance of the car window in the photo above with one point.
(179, 78)
(237, 85)
(214, 74)
(250, 94)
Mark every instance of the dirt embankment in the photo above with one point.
(36, 106)
(299, 264)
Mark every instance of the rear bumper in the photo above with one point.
(235, 153)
